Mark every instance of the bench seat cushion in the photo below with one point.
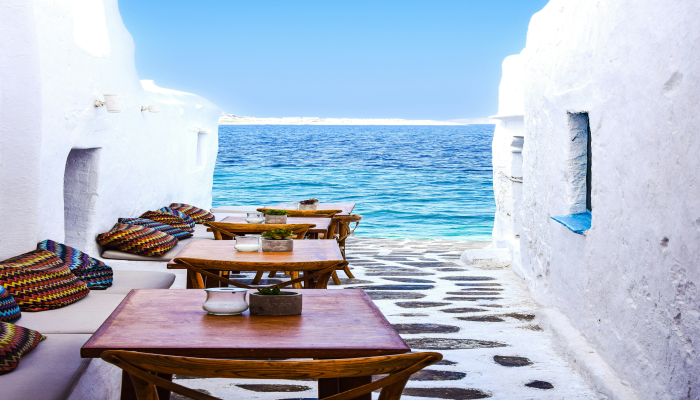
(84, 316)
(122, 255)
(200, 232)
(40, 281)
(199, 215)
(124, 281)
(49, 372)
(137, 239)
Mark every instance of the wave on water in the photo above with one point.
(408, 181)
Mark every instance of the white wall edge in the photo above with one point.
(574, 347)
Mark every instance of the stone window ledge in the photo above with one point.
(577, 223)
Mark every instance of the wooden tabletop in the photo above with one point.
(321, 223)
(219, 253)
(346, 207)
(333, 324)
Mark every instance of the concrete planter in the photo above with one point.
(277, 244)
(275, 219)
(286, 303)
(308, 206)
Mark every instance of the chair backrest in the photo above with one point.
(340, 229)
(306, 213)
(227, 231)
(143, 366)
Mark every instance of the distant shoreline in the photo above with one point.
(228, 119)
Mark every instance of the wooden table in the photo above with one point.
(346, 207)
(333, 324)
(321, 223)
(307, 256)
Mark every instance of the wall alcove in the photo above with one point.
(80, 194)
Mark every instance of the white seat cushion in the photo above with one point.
(200, 232)
(83, 316)
(49, 372)
(124, 281)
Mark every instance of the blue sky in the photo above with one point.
(431, 59)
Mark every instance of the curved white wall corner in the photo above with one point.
(146, 160)
(507, 160)
(20, 127)
(630, 285)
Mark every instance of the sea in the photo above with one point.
(413, 182)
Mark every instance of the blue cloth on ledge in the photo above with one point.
(577, 223)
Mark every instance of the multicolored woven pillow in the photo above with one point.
(39, 281)
(199, 215)
(137, 239)
(9, 310)
(170, 230)
(168, 219)
(15, 341)
(180, 214)
(96, 274)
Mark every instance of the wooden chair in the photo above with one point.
(316, 274)
(227, 231)
(339, 229)
(306, 213)
(147, 370)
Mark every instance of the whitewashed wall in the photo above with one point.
(507, 160)
(56, 58)
(630, 285)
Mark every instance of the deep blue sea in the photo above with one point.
(407, 181)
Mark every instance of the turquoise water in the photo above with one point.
(407, 181)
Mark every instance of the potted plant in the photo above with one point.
(274, 302)
(309, 204)
(277, 240)
(276, 216)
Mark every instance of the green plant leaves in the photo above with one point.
(277, 234)
(275, 291)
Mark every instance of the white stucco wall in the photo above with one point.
(56, 59)
(630, 285)
(507, 160)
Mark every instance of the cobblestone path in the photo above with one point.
(479, 317)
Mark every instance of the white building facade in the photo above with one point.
(69, 169)
(621, 287)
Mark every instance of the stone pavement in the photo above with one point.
(479, 317)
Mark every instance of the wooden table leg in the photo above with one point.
(128, 392)
(164, 394)
(330, 386)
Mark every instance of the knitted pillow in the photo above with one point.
(137, 239)
(92, 271)
(39, 281)
(170, 230)
(9, 310)
(180, 214)
(168, 219)
(15, 341)
(199, 215)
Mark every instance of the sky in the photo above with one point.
(430, 59)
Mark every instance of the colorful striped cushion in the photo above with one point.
(15, 341)
(170, 230)
(180, 214)
(96, 274)
(9, 310)
(137, 239)
(199, 215)
(168, 219)
(39, 281)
